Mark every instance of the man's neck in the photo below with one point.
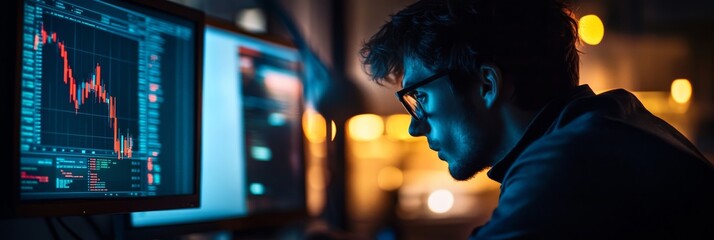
(516, 121)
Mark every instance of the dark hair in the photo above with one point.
(533, 42)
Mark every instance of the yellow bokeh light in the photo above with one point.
(440, 201)
(390, 178)
(398, 127)
(334, 130)
(681, 90)
(591, 29)
(365, 127)
(314, 126)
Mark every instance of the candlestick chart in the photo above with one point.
(85, 93)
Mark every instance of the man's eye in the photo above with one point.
(420, 97)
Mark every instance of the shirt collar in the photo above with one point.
(537, 128)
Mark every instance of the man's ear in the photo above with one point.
(491, 83)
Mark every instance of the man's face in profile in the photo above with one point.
(460, 128)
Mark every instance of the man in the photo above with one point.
(494, 83)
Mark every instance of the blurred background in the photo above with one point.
(368, 179)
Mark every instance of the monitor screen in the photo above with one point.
(108, 106)
(252, 140)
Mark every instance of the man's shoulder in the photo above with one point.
(596, 139)
(615, 121)
(592, 137)
(610, 132)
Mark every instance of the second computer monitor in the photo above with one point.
(252, 141)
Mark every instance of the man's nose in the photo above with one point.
(417, 128)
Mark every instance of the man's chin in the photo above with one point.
(463, 173)
(460, 175)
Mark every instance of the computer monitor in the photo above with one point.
(253, 163)
(106, 107)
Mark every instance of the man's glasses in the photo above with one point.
(408, 98)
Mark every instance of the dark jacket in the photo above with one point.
(602, 167)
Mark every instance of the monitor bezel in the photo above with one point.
(122, 223)
(17, 208)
